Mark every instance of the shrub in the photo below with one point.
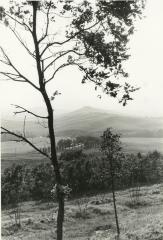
(14, 185)
(42, 182)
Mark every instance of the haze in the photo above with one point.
(144, 67)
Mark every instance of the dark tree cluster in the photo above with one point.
(84, 173)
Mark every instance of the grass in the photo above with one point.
(30, 159)
(92, 218)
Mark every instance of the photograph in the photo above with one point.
(81, 95)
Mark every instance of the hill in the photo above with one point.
(92, 121)
(92, 218)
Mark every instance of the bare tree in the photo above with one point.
(95, 42)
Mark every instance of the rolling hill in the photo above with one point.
(92, 121)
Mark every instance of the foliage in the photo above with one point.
(98, 33)
(83, 173)
(111, 147)
(105, 44)
(64, 143)
(42, 182)
(76, 170)
(88, 141)
(15, 185)
(15, 190)
(70, 155)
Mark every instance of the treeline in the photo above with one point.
(83, 173)
(79, 142)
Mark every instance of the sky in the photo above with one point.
(144, 66)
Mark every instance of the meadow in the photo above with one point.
(143, 145)
(92, 218)
(30, 158)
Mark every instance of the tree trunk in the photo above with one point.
(60, 217)
(114, 198)
(60, 195)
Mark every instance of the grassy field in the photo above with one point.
(92, 218)
(30, 159)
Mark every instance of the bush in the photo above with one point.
(83, 173)
(42, 182)
(14, 185)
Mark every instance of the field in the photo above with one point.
(92, 218)
(30, 159)
(129, 144)
(13, 152)
(143, 145)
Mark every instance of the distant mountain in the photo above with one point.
(92, 121)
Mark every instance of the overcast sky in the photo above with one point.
(145, 68)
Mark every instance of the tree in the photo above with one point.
(64, 143)
(111, 147)
(88, 141)
(95, 42)
(15, 189)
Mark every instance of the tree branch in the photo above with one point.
(24, 139)
(69, 39)
(47, 24)
(22, 24)
(13, 77)
(59, 68)
(61, 55)
(42, 124)
(9, 63)
(22, 43)
(27, 111)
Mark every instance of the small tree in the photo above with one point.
(15, 189)
(42, 182)
(111, 147)
(64, 144)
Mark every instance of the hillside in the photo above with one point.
(92, 121)
(91, 218)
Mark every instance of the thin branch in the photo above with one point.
(59, 68)
(9, 63)
(12, 77)
(22, 43)
(22, 24)
(24, 139)
(46, 58)
(47, 24)
(27, 111)
(42, 124)
(61, 55)
(67, 40)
